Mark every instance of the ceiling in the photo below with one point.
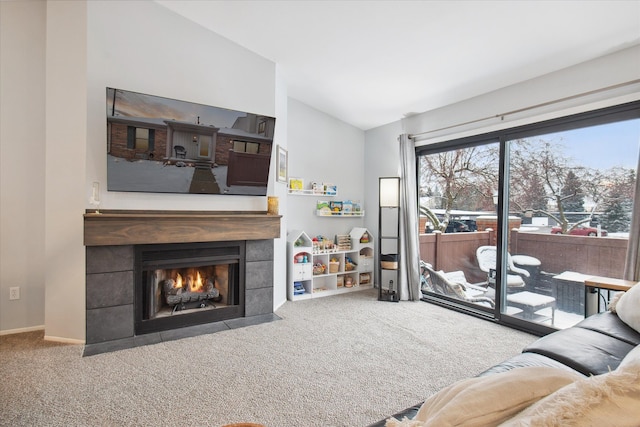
(370, 63)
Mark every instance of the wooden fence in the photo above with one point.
(247, 169)
(600, 256)
(557, 253)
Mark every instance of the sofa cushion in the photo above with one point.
(524, 360)
(587, 351)
(610, 324)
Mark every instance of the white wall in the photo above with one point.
(65, 147)
(613, 71)
(22, 163)
(382, 157)
(144, 47)
(280, 191)
(323, 149)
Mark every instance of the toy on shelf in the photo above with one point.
(301, 258)
(349, 265)
(323, 245)
(298, 289)
(319, 268)
(344, 242)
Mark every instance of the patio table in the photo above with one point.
(531, 303)
(596, 283)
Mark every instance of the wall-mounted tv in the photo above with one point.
(163, 145)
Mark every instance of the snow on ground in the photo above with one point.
(147, 175)
(157, 177)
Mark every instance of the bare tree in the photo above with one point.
(543, 163)
(543, 179)
(461, 176)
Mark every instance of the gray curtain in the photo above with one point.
(409, 244)
(632, 264)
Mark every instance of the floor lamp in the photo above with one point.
(388, 238)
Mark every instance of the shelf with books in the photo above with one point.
(339, 214)
(308, 192)
(297, 186)
(338, 208)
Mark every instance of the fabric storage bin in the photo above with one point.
(389, 261)
(334, 266)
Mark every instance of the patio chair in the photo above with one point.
(486, 256)
(453, 285)
(181, 152)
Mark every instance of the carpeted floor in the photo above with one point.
(346, 360)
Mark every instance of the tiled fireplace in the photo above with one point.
(153, 277)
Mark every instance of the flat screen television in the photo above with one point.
(163, 145)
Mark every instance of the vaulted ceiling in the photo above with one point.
(369, 63)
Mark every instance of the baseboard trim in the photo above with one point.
(22, 330)
(63, 340)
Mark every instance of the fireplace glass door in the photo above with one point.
(187, 284)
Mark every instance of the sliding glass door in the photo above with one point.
(458, 187)
(573, 192)
(513, 222)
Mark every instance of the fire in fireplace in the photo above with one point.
(181, 285)
(187, 288)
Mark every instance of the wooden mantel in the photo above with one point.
(120, 227)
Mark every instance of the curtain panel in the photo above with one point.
(409, 244)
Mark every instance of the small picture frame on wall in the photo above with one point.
(282, 164)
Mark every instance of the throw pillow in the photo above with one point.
(488, 400)
(604, 400)
(631, 360)
(628, 307)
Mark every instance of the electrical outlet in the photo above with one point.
(14, 293)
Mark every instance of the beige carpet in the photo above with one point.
(339, 361)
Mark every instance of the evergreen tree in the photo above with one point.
(617, 215)
(572, 194)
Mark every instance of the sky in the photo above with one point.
(603, 146)
(134, 104)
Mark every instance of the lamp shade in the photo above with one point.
(389, 192)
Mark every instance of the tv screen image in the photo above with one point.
(163, 145)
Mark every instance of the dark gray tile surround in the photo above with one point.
(110, 298)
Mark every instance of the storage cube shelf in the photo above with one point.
(328, 271)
